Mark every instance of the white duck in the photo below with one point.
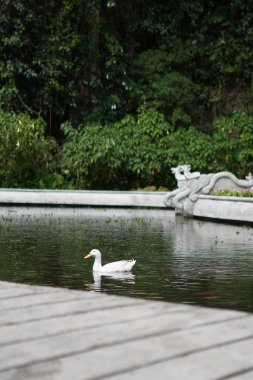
(116, 266)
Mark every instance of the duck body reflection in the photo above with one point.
(126, 277)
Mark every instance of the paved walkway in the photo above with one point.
(54, 333)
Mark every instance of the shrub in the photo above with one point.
(127, 154)
(229, 148)
(228, 193)
(25, 154)
(190, 146)
(233, 142)
(137, 151)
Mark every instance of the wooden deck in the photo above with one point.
(52, 333)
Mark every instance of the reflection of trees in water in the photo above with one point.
(31, 252)
(212, 264)
(211, 248)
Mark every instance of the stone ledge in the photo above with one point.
(231, 209)
(80, 198)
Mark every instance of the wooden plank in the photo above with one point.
(12, 291)
(5, 285)
(51, 303)
(50, 333)
(18, 292)
(43, 299)
(119, 348)
(244, 374)
(159, 314)
(229, 361)
(59, 325)
(41, 312)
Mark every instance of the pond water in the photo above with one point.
(179, 260)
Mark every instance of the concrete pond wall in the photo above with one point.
(233, 209)
(82, 198)
(194, 197)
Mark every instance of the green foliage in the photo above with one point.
(229, 193)
(128, 153)
(131, 153)
(232, 143)
(93, 61)
(48, 57)
(190, 146)
(153, 188)
(172, 91)
(136, 152)
(25, 154)
(229, 148)
(150, 85)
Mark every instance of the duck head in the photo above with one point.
(93, 253)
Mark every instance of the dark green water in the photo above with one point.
(178, 260)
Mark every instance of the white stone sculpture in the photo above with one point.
(191, 185)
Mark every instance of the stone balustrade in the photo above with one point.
(194, 186)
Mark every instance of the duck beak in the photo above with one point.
(87, 256)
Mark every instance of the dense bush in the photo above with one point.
(137, 152)
(131, 153)
(190, 146)
(26, 156)
(128, 153)
(233, 143)
(228, 148)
